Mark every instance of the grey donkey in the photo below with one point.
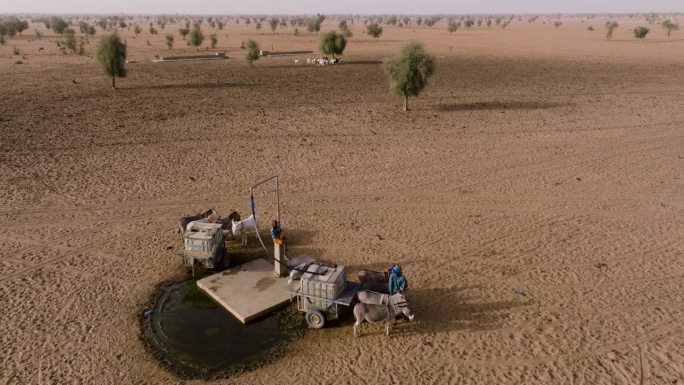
(378, 313)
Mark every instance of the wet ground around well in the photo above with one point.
(197, 338)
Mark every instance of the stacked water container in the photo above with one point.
(322, 284)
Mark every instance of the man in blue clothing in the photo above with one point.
(397, 281)
(276, 231)
(277, 234)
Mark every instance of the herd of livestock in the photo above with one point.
(320, 61)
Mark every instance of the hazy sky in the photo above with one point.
(208, 7)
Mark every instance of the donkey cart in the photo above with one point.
(322, 290)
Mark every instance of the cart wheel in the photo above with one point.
(315, 319)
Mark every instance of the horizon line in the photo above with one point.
(676, 13)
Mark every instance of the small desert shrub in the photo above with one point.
(137, 30)
(81, 47)
(15, 51)
(213, 39)
(557, 24)
(640, 32)
(590, 28)
(296, 31)
(38, 34)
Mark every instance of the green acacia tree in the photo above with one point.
(184, 32)
(14, 25)
(333, 43)
(452, 26)
(111, 54)
(70, 39)
(3, 32)
(58, 24)
(169, 40)
(669, 27)
(344, 27)
(90, 31)
(252, 51)
(196, 36)
(374, 30)
(610, 27)
(273, 23)
(409, 71)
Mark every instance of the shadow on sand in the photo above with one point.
(364, 62)
(191, 86)
(303, 64)
(637, 41)
(496, 105)
(296, 239)
(449, 309)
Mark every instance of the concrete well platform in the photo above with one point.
(247, 291)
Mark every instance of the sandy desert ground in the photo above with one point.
(543, 161)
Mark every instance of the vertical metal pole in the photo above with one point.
(278, 249)
(252, 207)
(277, 201)
(259, 183)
